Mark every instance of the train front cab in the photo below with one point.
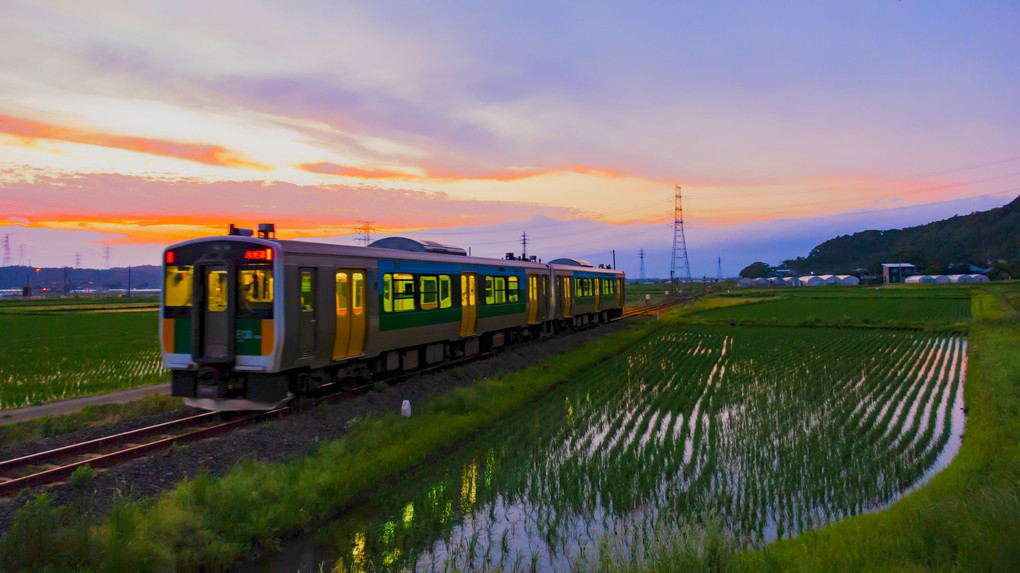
(219, 334)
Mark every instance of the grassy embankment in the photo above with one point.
(967, 518)
(59, 349)
(210, 522)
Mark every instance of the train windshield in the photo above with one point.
(178, 285)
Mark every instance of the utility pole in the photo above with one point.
(524, 245)
(77, 260)
(641, 275)
(7, 250)
(718, 274)
(614, 259)
(365, 230)
(679, 261)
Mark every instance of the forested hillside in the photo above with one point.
(984, 239)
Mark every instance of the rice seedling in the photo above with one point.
(767, 431)
(58, 355)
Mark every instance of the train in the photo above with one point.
(249, 321)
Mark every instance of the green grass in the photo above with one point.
(968, 517)
(209, 522)
(57, 354)
(94, 415)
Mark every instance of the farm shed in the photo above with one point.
(777, 282)
(959, 278)
(917, 279)
(744, 283)
(897, 272)
(848, 280)
(792, 281)
(941, 279)
(978, 279)
(759, 282)
(829, 279)
(812, 280)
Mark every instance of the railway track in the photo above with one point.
(58, 464)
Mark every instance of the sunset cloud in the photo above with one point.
(166, 210)
(30, 131)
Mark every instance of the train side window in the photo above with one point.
(358, 281)
(578, 287)
(403, 292)
(512, 289)
(445, 292)
(499, 289)
(387, 293)
(429, 287)
(178, 286)
(490, 298)
(341, 294)
(306, 291)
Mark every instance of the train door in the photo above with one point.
(543, 297)
(568, 296)
(350, 313)
(468, 303)
(214, 302)
(532, 299)
(307, 324)
(598, 293)
(619, 293)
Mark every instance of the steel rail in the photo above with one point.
(105, 460)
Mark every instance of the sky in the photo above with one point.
(127, 126)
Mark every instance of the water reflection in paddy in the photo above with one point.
(772, 430)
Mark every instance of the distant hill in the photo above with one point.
(943, 246)
(146, 276)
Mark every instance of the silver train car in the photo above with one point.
(248, 321)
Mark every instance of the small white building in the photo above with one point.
(942, 279)
(791, 281)
(848, 280)
(978, 279)
(830, 279)
(777, 282)
(893, 273)
(959, 278)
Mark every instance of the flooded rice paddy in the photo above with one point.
(766, 431)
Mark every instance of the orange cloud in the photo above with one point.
(447, 176)
(147, 210)
(197, 152)
(327, 168)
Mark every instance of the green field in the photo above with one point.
(680, 444)
(61, 349)
(851, 308)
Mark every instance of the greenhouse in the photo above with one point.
(812, 281)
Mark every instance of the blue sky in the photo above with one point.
(139, 124)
